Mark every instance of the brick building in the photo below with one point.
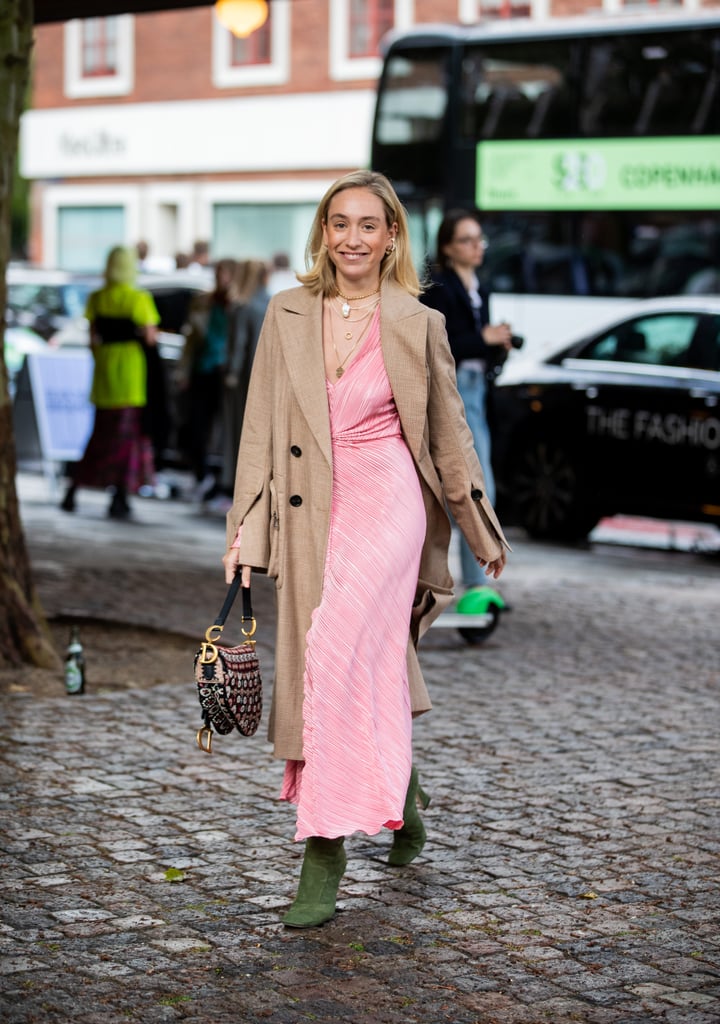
(165, 127)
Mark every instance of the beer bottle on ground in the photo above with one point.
(75, 665)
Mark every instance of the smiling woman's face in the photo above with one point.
(357, 236)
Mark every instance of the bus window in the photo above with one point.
(678, 85)
(666, 84)
(518, 90)
(414, 100)
(411, 135)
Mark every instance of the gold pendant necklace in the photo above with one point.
(346, 310)
(346, 307)
(340, 368)
(372, 306)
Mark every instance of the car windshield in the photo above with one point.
(56, 299)
(75, 298)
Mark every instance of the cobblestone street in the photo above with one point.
(572, 863)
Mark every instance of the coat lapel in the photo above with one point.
(403, 333)
(300, 326)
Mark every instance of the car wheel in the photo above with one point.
(478, 635)
(549, 493)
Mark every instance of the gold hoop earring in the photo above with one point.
(391, 250)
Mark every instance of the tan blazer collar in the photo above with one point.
(403, 331)
(299, 321)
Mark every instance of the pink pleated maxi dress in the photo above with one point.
(357, 722)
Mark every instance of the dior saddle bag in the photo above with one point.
(228, 679)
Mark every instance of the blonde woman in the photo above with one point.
(353, 443)
(119, 454)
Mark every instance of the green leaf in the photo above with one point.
(174, 875)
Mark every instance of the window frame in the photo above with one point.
(345, 68)
(226, 75)
(472, 11)
(79, 86)
(58, 197)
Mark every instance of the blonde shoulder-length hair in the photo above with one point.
(396, 265)
(121, 266)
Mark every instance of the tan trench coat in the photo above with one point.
(283, 488)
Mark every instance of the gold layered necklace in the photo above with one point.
(365, 320)
(370, 306)
(346, 308)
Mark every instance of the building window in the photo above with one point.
(99, 47)
(99, 59)
(470, 11)
(369, 20)
(356, 30)
(85, 235)
(505, 9)
(613, 6)
(259, 230)
(256, 49)
(261, 59)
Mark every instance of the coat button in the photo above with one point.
(476, 494)
(295, 500)
(296, 450)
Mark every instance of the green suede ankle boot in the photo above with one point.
(409, 840)
(323, 867)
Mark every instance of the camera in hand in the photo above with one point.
(496, 359)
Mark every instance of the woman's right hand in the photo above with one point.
(231, 561)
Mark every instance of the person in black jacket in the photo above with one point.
(474, 341)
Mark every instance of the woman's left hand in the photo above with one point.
(500, 334)
(231, 561)
(495, 567)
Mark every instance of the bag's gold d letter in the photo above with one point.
(204, 739)
(208, 653)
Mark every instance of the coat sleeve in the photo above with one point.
(252, 501)
(453, 452)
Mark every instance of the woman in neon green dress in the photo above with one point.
(122, 318)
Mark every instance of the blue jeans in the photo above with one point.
(472, 386)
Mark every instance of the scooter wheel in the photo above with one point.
(475, 636)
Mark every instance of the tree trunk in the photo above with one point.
(24, 636)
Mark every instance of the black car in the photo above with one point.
(627, 420)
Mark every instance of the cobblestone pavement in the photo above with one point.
(571, 870)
